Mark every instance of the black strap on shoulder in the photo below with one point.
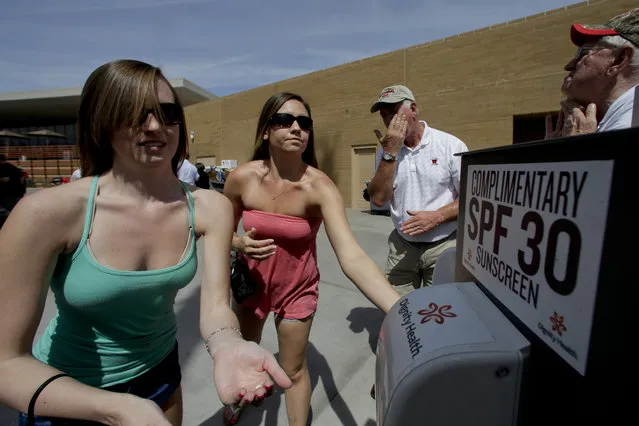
(34, 398)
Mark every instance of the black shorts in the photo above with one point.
(157, 384)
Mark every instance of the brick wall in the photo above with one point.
(470, 85)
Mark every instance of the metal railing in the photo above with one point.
(43, 163)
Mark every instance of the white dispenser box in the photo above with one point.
(447, 356)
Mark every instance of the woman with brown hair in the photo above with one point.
(114, 248)
(282, 198)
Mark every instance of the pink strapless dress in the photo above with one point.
(287, 281)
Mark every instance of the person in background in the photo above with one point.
(187, 172)
(418, 172)
(602, 78)
(12, 185)
(203, 179)
(77, 174)
(283, 198)
(115, 248)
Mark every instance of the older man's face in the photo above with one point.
(388, 111)
(587, 81)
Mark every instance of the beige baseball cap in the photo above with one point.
(393, 95)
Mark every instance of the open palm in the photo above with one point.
(245, 371)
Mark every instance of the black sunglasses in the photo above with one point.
(287, 120)
(171, 114)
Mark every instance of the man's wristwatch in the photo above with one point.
(388, 157)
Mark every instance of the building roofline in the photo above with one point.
(189, 85)
(177, 83)
(42, 107)
(40, 94)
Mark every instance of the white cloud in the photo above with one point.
(240, 71)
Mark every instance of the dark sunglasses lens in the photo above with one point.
(306, 123)
(284, 120)
(172, 113)
(287, 120)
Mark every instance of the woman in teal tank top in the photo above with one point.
(115, 247)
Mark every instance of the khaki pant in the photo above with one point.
(410, 265)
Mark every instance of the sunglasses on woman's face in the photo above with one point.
(171, 114)
(287, 120)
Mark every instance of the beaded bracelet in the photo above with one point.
(217, 330)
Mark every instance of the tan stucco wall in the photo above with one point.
(469, 85)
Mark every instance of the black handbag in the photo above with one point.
(242, 285)
(365, 195)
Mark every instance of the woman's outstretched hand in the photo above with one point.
(245, 373)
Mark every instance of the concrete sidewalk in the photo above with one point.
(341, 355)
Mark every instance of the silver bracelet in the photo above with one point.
(217, 330)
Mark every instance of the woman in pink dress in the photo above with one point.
(282, 198)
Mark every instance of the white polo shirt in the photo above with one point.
(77, 174)
(427, 178)
(187, 172)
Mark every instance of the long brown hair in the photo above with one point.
(116, 94)
(270, 108)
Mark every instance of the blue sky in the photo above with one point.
(225, 46)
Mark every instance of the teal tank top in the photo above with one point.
(112, 326)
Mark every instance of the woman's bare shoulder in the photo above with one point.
(212, 209)
(243, 177)
(58, 203)
(248, 171)
(318, 179)
(52, 214)
(208, 198)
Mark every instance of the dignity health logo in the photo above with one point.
(436, 313)
(556, 333)
(558, 323)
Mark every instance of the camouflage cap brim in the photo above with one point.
(582, 34)
(625, 25)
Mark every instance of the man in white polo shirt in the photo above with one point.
(187, 172)
(419, 173)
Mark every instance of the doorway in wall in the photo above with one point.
(362, 170)
(531, 127)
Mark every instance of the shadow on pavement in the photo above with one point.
(188, 332)
(369, 319)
